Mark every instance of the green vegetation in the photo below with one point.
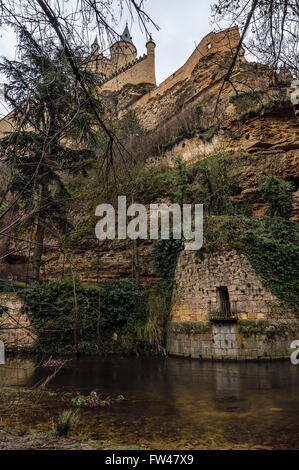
(165, 253)
(129, 125)
(187, 124)
(273, 251)
(185, 132)
(209, 181)
(246, 100)
(278, 103)
(64, 423)
(150, 184)
(191, 328)
(39, 150)
(180, 177)
(84, 229)
(258, 102)
(115, 318)
(279, 195)
(270, 244)
(165, 257)
(215, 185)
(269, 330)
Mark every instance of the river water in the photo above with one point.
(173, 403)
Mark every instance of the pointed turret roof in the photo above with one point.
(95, 46)
(126, 36)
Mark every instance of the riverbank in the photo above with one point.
(10, 440)
(19, 434)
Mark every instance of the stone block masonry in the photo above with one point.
(124, 67)
(245, 340)
(15, 328)
(198, 284)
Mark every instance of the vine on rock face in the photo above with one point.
(166, 254)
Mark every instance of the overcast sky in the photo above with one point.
(183, 23)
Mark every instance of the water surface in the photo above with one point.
(173, 403)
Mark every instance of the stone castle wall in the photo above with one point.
(142, 71)
(6, 125)
(127, 69)
(196, 297)
(223, 42)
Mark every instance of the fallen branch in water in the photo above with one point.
(57, 364)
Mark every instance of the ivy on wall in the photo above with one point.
(165, 253)
(91, 320)
(265, 329)
(273, 251)
(271, 246)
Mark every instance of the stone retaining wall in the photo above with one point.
(15, 329)
(244, 340)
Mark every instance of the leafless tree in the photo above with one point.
(269, 29)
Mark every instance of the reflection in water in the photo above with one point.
(179, 404)
(16, 372)
(227, 385)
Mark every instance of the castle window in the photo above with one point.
(209, 46)
(102, 76)
(223, 301)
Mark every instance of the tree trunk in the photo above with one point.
(135, 263)
(40, 232)
(5, 241)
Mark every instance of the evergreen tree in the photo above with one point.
(53, 131)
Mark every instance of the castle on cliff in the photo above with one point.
(125, 68)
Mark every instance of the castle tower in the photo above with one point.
(151, 61)
(123, 67)
(123, 52)
(95, 46)
(126, 35)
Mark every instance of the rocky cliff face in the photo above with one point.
(253, 118)
(254, 122)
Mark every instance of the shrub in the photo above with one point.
(215, 185)
(277, 193)
(165, 253)
(64, 423)
(245, 101)
(64, 326)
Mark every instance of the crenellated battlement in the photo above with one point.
(123, 66)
